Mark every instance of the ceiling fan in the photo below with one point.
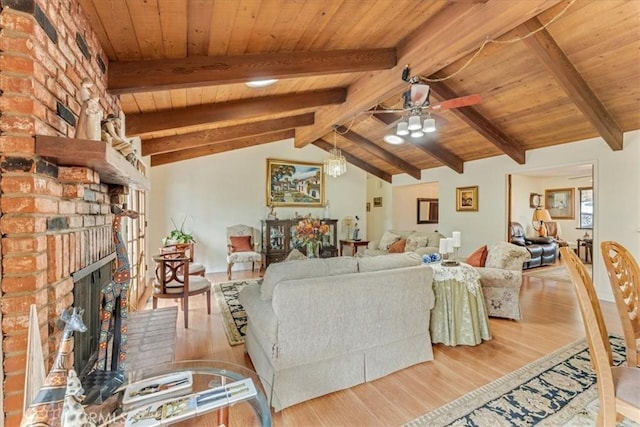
(415, 103)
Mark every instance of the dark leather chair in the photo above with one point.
(543, 250)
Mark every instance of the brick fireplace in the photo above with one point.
(55, 219)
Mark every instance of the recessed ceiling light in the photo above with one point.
(393, 139)
(261, 83)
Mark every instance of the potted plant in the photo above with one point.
(177, 235)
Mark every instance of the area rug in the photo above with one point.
(559, 274)
(151, 337)
(234, 318)
(555, 390)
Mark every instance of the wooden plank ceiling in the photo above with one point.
(180, 68)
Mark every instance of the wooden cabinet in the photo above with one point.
(278, 237)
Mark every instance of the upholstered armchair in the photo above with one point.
(501, 278)
(543, 250)
(242, 246)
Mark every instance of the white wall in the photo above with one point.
(616, 187)
(405, 216)
(215, 192)
(380, 218)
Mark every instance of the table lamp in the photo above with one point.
(539, 217)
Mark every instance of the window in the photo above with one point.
(586, 207)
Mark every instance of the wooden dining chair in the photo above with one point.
(624, 276)
(195, 269)
(170, 282)
(618, 386)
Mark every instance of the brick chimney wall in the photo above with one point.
(54, 220)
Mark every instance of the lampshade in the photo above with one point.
(414, 123)
(417, 133)
(403, 128)
(393, 139)
(429, 125)
(541, 215)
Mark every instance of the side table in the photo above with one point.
(353, 244)
(459, 315)
(587, 244)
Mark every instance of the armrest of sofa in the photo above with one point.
(541, 240)
(499, 278)
(426, 250)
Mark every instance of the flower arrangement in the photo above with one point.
(311, 230)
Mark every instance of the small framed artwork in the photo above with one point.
(427, 211)
(377, 202)
(559, 203)
(368, 207)
(292, 183)
(535, 200)
(467, 199)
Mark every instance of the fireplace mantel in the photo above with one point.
(112, 167)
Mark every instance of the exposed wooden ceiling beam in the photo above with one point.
(219, 147)
(434, 150)
(145, 123)
(163, 74)
(548, 51)
(456, 31)
(379, 152)
(227, 133)
(480, 124)
(355, 161)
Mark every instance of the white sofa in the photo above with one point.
(501, 279)
(320, 325)
(420, 242)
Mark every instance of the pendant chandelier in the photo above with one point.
(336, 164)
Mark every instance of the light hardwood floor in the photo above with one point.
(551, 320)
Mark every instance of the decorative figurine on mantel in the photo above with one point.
(46, 408)
(112, 133)
(88, 125)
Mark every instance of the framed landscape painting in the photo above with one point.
(559, 203)
(467, 199)
(292, 183)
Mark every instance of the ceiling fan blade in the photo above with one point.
(395, 110)
(419, 94)
(463, 101)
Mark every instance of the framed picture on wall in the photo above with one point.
(292, 183)
(559, 203)
(467, 199)
(368, 207)
(427, 211)
(377, 202)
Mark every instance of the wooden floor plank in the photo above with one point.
(551, 319)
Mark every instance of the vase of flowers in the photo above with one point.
(310, 232)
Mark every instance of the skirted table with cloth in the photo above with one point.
(459, 315)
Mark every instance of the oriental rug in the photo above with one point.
(559, 274)
(234, 318)
(555, 390)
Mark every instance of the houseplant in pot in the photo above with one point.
(178, 235)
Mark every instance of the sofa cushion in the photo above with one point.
(415, 241)
(398, 247)
(479, 257)
(387, 262)
(388, 238)
(313, 267)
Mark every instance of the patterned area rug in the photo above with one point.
(151, 337)
(234, 317)
(555, 390)
(559, 274)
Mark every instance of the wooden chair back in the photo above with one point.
(624, 277)
(599, 347)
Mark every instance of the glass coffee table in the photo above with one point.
(195, 393)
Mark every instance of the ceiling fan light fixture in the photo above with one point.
(261, 83)
(402, 129)
(417, 133)
(414, 123)
(393, 139)
(429, 125)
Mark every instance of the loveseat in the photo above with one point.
(501, 279)
(543, 250)
(420, 242)
(320, 325)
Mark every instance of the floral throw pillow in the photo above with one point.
(388, 239)
(415, 241)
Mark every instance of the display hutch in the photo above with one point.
(278, 238)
